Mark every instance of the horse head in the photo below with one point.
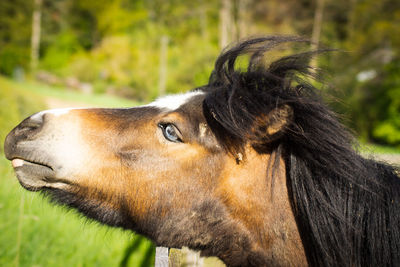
(218, 169)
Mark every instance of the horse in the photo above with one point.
(252, 167)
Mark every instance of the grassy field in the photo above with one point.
(35, 233)
(72, 96)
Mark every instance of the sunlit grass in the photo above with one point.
(45, 91)
(378, 149)
(74, 96)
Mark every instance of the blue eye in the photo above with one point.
(170, 132)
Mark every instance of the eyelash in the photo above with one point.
(170, 132)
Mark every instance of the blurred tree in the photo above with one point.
(15, 32)
(35, 39)
(226, 24)
(317, 27)
(243, 20)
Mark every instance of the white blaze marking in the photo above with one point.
(55, 112)
(173, 102)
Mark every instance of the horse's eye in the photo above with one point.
(170, 132)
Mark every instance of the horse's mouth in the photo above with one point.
(34, 176)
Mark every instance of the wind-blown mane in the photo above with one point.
(347, 208)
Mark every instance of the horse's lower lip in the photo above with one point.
(31, 175)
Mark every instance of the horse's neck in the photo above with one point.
(262, 206)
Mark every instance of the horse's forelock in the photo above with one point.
(243, 102)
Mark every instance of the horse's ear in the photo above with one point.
(268, 127)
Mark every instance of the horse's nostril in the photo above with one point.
(30, 125)
(26, 130)
(35, 120)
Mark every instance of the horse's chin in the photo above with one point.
(35, 176)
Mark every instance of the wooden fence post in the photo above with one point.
(173, 257)
(162, 254)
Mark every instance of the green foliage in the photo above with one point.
(387, 130)
(12, 57)
(116, 63)
(59, 53)
(121, 62)
(14, 35)
(367, 73)
(186, 55)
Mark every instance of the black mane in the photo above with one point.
(347, 207)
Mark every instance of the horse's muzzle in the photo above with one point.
(32, 167)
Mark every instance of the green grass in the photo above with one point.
(378, 149)
(37, 233)
(43, 90)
